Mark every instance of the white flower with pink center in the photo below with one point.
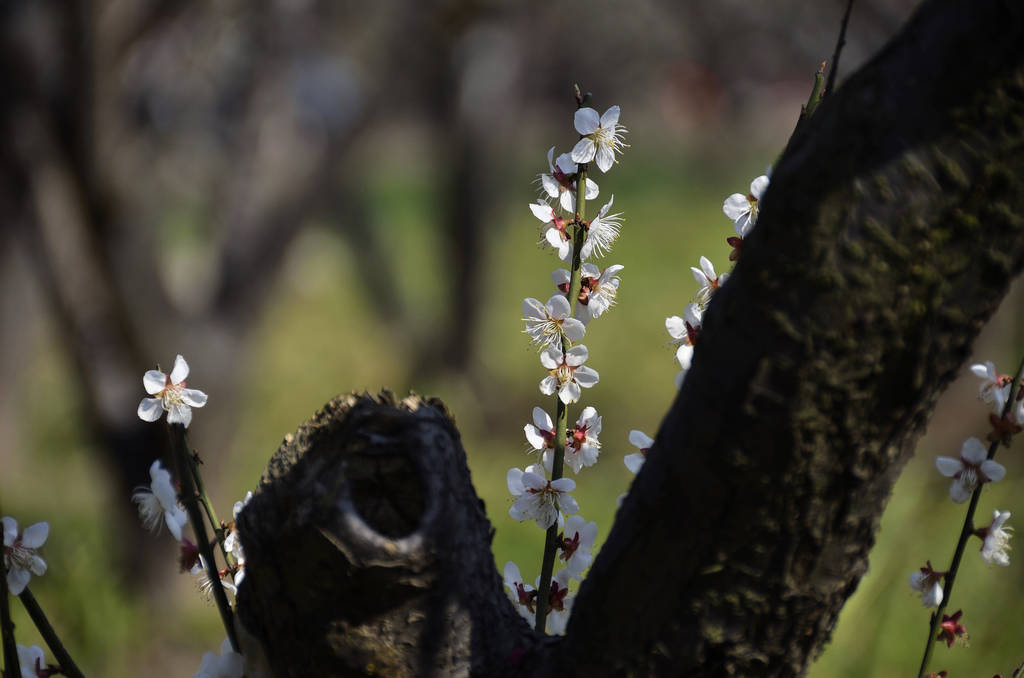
(708, 280)
(927, 583)
(541, 436)
(553, 233)
(540, 499)
(20, 557)
(972, 469)
(524, 596)
(602, 137)
(559, 603)
(686, 330)
(996, 539)
(601, 232)
(743, 209)
(643, 442)
(560, 185)
(598, 289)
(227, 665)
(548, 323)
(158, 505)
(566, 372)
(171, 396)
(33, 662)
(994, 388)
(576, 543)
(582, 446)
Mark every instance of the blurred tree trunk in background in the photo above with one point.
(893, 226)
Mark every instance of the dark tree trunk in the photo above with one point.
(890, 233)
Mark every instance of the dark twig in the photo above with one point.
(67, 664)
(839, 48)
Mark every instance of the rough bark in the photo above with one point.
(890, 232)
(368, 552)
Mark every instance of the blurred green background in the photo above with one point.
(409, 273)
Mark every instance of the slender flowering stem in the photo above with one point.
(551, 534)
(7, 626)
(965, 535)
(562, 411)
(182, 458)
(218, 530)
(67, 664)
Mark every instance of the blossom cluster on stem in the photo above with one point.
(584, 292)
(970, 473)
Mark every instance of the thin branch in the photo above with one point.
(839, 48)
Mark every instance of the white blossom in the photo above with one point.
(643, 442)
(560, 185)
(540, 499)
(973, 468)
(743, 209)
(524, 596)
(566, 372)
(997, 540)
(541, 436)
(32, 660)
(708, 280)
(926, 582)
(20, 557)
(158, 505)
(602, 231)
(227, 665)
(602, 137)
(582, 446)
(548, 323)
(994, 388)
(576, 545)
(552, 233)
(171, 396)
(559, 603)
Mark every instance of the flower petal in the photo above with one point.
(973, 452)
(586, 377)
(577, 355)
(640, 440)
(736, 206)
(193, 397)
(154, 381)
(948, 466)
(958, 493)
(180, 371)
(584, 150)
(551, 357)
(567, 505)
(557, 306)
(514, 480)
(548, 385)
(634, 462)
(151, 409)
(533, 309)
(35, 536)
(993, 470)
(573, 329)
(17, 580)
(179, 415)
(610, 117)
(587, 121)
(758, 186)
